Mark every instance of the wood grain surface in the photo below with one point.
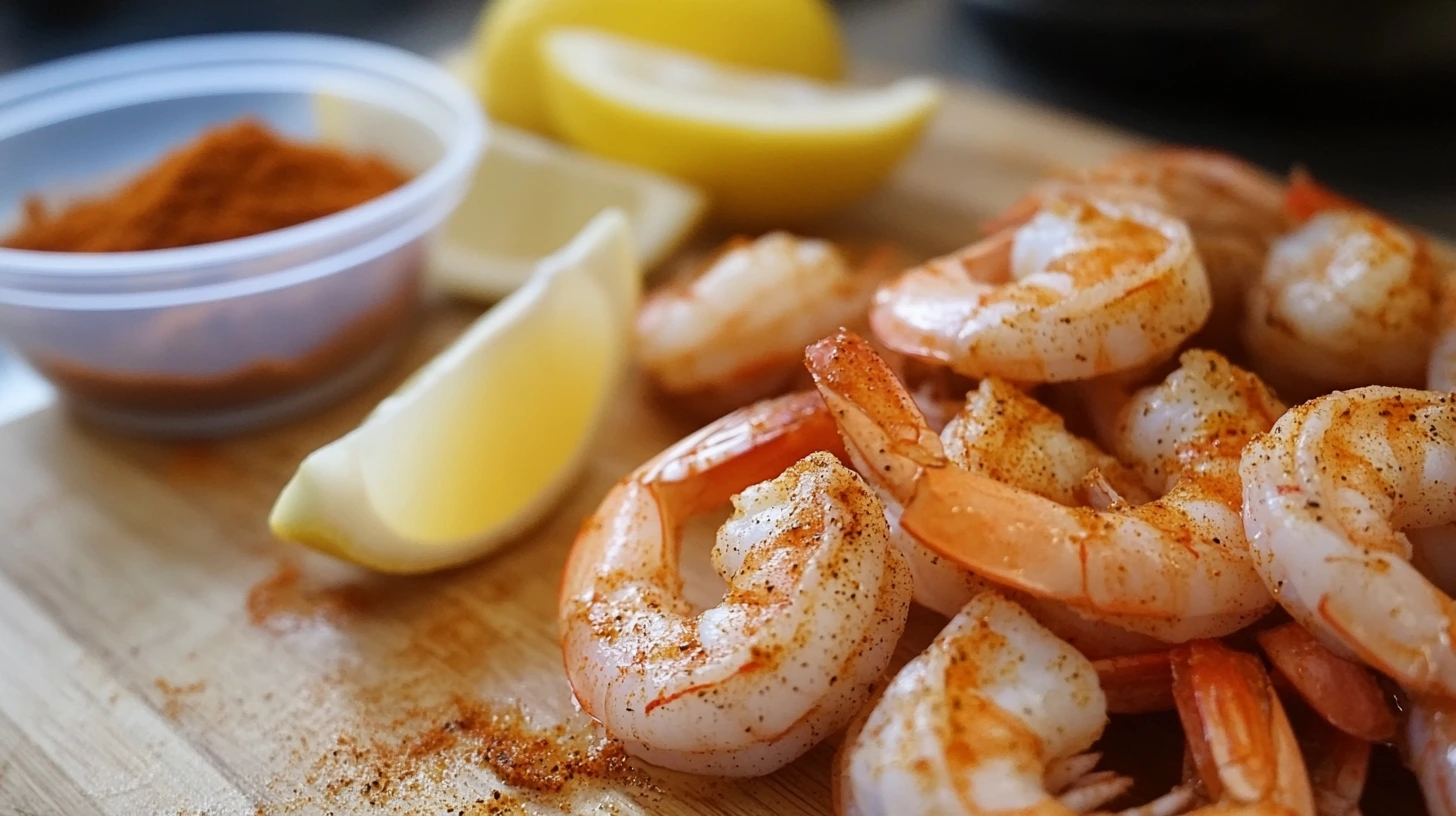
(160, 653)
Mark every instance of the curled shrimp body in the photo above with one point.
(735, 332)
(1006, 434)
(1234, 211)
(1346, 300)
(995, 717)
(1083, 288)
(976, 723)
(1174, 568)
(1327, 493)
(816, 599)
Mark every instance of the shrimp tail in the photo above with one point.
(1241, 741)
(1342, 692)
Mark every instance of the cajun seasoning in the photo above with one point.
(234, 181)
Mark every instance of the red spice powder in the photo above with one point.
(237, 180)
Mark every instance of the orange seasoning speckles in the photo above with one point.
(174, 695)
(283, 601)
(434, 747)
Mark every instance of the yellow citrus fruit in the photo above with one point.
(483, 440)
(794, 36)
(768, 148)
(530, 195)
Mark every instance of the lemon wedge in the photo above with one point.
(795, 36)
(768, 148)
(484, 439)
(530, 195)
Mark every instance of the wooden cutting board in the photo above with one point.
(160, 653)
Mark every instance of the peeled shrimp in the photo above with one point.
(1348, 299)
(978, 722)
(995, 717)
(1234, 211)
(1004, 433)
(1327, 494)
(735, 333)
(816, 600)
(1007, 435)
(1174, 568)
(1083, 288)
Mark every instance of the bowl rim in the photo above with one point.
(73, 74)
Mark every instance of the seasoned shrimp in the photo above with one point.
(1004, 433)
(1084, 288)
(1348, 299)
(1233, 210)
(1429, 744)
(735, 333)
(817, 597)
(995, 717)
(1174, 568)
(1327, 494)
(978, 723)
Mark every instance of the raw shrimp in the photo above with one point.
(1348, 299)
(1233, 210)
(816, 600)
(735, 333)
(1174, 568)
(1084, 288)
(1326, 495)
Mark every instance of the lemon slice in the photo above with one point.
(768, 148)
(795, 36)
(530, 195)
(481, 441)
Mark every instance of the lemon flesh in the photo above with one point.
(530, 195)
(768, 148)
(794, 36)
(481, 441)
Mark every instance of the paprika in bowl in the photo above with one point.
(366, 149)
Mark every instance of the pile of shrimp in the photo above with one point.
(1072, 439)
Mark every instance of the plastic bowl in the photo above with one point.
(214, 338)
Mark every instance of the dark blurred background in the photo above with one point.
(1360, 92)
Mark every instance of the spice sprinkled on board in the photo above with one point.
(283, 602)
(434, 750)
(173, 695)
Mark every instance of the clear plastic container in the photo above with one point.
(214, 338)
